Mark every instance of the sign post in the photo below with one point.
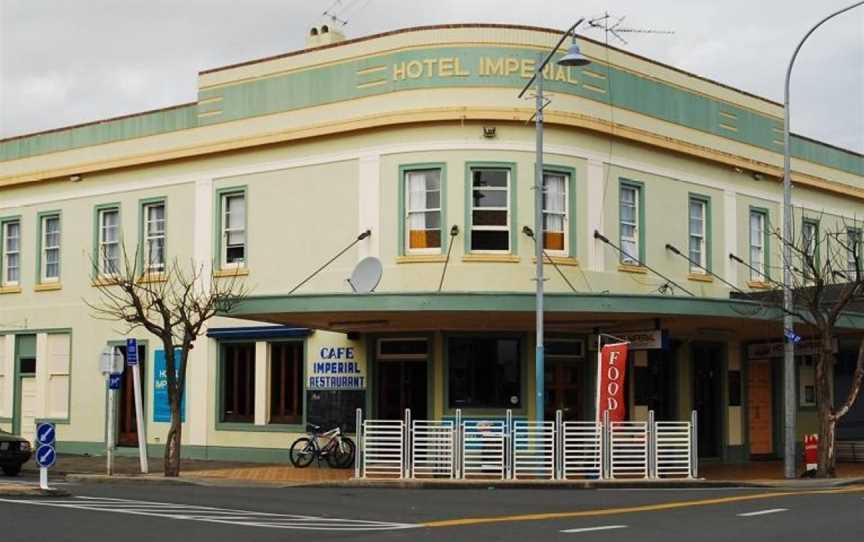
(46, 455)
(132, 362)
(112, 368)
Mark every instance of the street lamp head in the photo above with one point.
(574, 57)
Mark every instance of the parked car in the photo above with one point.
(14, 452)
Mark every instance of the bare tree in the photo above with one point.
(173, 303)
(827, 284)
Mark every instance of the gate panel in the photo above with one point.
(629, 449)
(432, 447)
(672, 447)
(483, 449)
(534, 449)
(582, 449)
(383, 448)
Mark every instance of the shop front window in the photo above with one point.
(238, 382)
(484, 372)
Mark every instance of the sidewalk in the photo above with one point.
(207, 472)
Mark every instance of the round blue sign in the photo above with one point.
(46, 456)
(45, 433)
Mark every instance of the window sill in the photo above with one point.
(10, 290)
(104, 281)
(231, 272)
(152, 277)
(558, 260)
(700, 277)
(627, 268)
(269, 428)
(758, 285)
(491, 258)
(48, 287)
(421, 258)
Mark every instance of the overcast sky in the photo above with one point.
(71, 61)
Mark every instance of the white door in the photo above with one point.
(28, 408)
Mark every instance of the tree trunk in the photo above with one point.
(172, 442)
(825, 408)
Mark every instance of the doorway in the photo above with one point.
(563, 390)
(707, 363)
(760, 409)
(127, 423)
(401, 385)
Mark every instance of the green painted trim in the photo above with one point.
(269, 428)
(766, 256)
(23, 348)
(35, 331)
(217, 223)
(402, 209)
(139, 253)
(640, 188)
(706, 200)
(3, 221)
(40, 219)
(572, 217)
(513, 188)
(96, 264)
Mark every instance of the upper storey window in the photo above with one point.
(490, 210)
(555, 219)
(630, 222)
(233, 253)
(698, 229)
(109, 241)
(154, 237)
(423, 211)
(11, 248)
(758, 245)
(49, 267)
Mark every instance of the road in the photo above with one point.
(183, 513)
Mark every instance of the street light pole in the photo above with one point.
(572, 58)
(789, 403)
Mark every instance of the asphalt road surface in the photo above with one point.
(184, 513)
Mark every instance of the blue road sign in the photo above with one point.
(46, 456)
(114, 382)
(131, 352)
(45, 433)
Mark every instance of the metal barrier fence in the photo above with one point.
(504, 449)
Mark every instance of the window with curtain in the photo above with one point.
(697, 229)
(490, 210)
(154, 237)
(50, 265)
(853, 254)
(109, 241)
(423, 211)
(234, 229)
(629, 224)
(11, 252)
(757, 246)
(555, 212)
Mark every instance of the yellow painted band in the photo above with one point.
(631, 509)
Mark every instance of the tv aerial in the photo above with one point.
(366, 275)
(615, 26)
(338, 10)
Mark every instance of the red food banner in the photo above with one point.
(610, 381)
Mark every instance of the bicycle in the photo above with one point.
(338, 451)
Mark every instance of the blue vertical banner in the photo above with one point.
(161, 406)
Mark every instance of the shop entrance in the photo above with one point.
(401, 385)
(563, 383)
(707, 374)
(759, 391)
(127, 425)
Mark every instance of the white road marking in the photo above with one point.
(590, 529)
(763, 512)
(208, 514)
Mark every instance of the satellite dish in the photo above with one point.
(366, 275)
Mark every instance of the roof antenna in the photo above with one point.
(614, 25)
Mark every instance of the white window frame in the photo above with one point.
(506, 227)
(102, 243)
(757, 272)
(701, 237)
(854, 242)
(150, 237)
(45, 248)
(565, 213)
(225, 230)
(6, 253)
(633, 259)
(424, 211)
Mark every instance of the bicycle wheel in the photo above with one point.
(302, 452)
(345, 458)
